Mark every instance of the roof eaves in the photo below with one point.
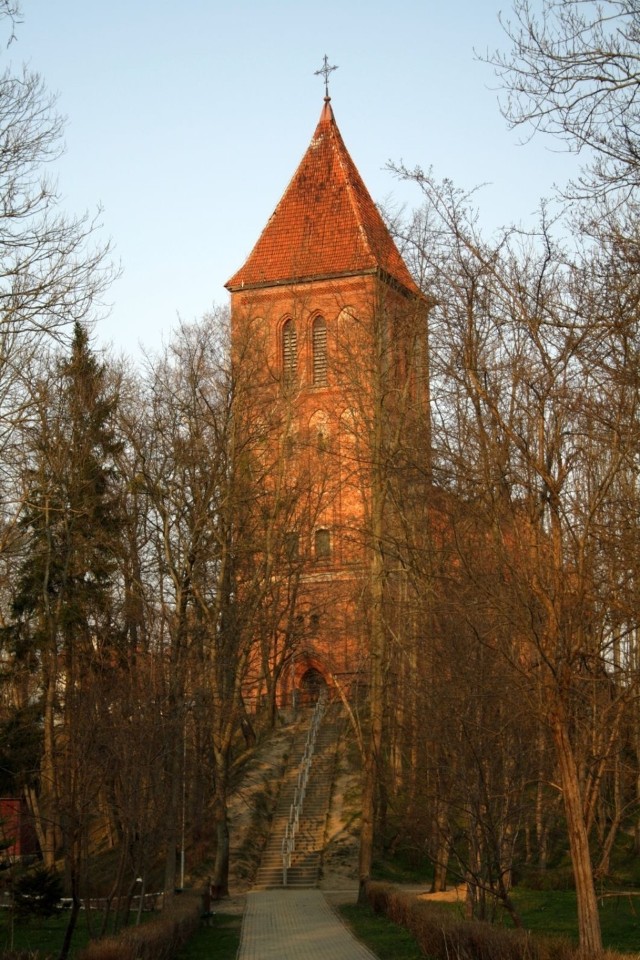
(294, 281)
(397, 285)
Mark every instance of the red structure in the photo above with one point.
(17, 834)
(320, 292)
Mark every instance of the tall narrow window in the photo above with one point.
(289, 351)
(323, 544)
(292, 546)
(319, 352)
(319, 431)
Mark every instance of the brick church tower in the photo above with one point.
(323, 308)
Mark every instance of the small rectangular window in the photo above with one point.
(323, 544)
(291, 546)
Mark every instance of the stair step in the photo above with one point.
(307, 857)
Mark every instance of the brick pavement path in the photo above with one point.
(295, 925)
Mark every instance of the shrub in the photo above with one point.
(440, 934)
(37, 893)
(157, 939)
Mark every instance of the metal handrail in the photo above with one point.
(291, 829)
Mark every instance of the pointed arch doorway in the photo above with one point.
(311, 684)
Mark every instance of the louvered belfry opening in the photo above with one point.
(319, 352)
(289, 351)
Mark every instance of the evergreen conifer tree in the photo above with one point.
(62, 605)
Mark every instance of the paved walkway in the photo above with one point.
(295, 925)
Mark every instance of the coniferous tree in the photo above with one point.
(63, 598)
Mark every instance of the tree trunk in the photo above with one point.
(176, 773)
(373, 747)
(441, 862)
(48, 804)
(221, 866)
(589, 935)
(34, 808)
(542, 831)
(71, 925)
(636, 719)
(367, 823)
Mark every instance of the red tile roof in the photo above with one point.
(326, 224)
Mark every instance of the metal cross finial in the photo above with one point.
(324, 71)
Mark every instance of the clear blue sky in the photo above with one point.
(186, 120)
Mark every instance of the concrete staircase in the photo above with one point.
(306, 860)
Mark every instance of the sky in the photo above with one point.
(187, 119)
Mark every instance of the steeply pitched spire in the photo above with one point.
(326, 224)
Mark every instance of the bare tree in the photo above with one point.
(52, 270)
(536, 394)
(381, 366)
(215, 506)
(572, 72)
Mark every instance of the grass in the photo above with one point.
(386, 939)
(43, 935)
(403, 868)
(221, 940)
(554, 912)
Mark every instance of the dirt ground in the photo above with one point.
(252, 805)
(452, 895)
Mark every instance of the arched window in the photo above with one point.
(319, 352)
(289, 351)
(323, 544)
